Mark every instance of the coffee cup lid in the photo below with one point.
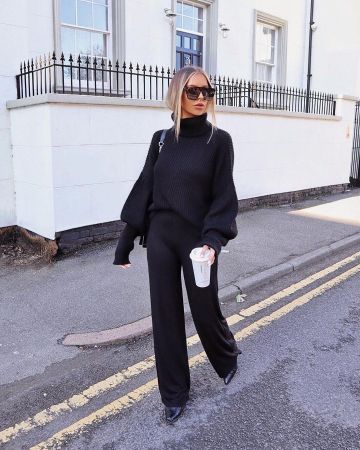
(195, 254)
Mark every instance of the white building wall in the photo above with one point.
(148, 34)
(33, 168)
(84, 158)
(336, 47)
(336, 42)
(26, 30)
(235, 53)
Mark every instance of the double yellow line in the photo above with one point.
(50, 414)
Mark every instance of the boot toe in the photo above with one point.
(230, 375)
(172, 413)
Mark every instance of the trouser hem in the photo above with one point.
(181, 402)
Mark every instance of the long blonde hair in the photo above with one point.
(174, 96)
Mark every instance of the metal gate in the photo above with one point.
(355, 161)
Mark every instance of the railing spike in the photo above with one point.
(252, 90)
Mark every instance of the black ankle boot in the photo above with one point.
(172, 413)
(230, 375)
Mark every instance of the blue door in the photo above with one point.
(188, 49)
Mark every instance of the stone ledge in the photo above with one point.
(79, 99)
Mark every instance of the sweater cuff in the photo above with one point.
(125, 245)
(212, 242)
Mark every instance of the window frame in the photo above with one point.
(276, 50)
(115, 40)
(281, 26)
(204, 19)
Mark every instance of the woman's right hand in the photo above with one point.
(124, 247)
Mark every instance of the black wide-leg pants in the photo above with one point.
(170, 240)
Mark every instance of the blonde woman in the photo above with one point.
(193, 204)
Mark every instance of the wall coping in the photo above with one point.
(346, 97)
(76, 99)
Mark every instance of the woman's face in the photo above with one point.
(190, 108)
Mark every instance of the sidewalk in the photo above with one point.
(85, 293)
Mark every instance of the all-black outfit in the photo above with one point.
(194, 202)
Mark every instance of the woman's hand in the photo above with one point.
(211, 257)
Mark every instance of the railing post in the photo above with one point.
(55, 77)
(17, 86)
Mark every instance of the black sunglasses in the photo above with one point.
(193, 92)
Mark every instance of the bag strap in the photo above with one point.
(162, 138)
(161, 143)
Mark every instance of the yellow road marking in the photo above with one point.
(297, 286)
(302, 300)
(50, 414)
(127, 400)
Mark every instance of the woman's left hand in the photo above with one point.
(211, 257)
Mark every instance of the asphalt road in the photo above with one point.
(297, 387)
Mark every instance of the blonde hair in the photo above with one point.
(175, 91)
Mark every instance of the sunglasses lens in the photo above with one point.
(194, 92)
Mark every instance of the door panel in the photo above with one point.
(188, 49)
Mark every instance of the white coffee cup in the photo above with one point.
(201, 267)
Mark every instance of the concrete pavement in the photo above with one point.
(85, 300)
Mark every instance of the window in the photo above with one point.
(266, 52)
(85, 31)
(190, 26)
(189, 17)
(270, 36)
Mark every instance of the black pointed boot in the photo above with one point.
(172, 413)
(230, 375)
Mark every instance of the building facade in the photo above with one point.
(259, 40)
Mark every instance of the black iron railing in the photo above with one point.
(93, 76)
(355, 159)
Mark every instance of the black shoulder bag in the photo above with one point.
(145, 207)
(135, 209)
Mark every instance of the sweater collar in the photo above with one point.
(193, 126)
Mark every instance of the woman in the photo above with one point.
(193, 204)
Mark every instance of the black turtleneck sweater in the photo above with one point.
(194, 178)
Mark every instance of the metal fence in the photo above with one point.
(355, 159)
(95, 76)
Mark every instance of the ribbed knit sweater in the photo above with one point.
(193, 178)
